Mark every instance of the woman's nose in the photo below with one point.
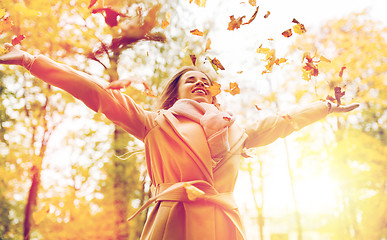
(199, 82)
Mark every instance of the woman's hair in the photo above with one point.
(170, 93)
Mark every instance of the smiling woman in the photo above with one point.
(193, 149)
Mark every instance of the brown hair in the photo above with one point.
(169, 95)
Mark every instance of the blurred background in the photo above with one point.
(68, 173)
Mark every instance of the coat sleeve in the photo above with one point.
(118, 107)
(270, 128)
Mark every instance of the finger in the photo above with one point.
(348, 108)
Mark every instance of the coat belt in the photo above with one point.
(179, 192)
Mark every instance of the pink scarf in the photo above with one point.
(214, 123)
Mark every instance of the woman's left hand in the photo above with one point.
(341, 108)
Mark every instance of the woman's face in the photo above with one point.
(193, 85)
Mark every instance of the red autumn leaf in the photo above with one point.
(342, 71)
(18, 39)
(111, 15)
(267, 14)
(295, 21)
(252, 17)
(193, 59)
(196, 32)
(235, 23)
(287, 33)
(338, 95)
(92, 3)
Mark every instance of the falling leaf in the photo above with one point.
(278, 61)
(253, 2)
(324, 59)
(92, 3)
(234, 89)
(217, 63)
(208, 45)
(270, 39)
(193, 59)
(267, 14)
(338, 95)
(288, 118)
(299, 28)
(165, 23)
(252, 17)
(17, 40)
(214, 89)
(295, 21)
(235, 23)
(287, 33)
(258, 108)
(192, 192)
(310, 68)
(111, 15)
(196, 32)
(200, 3)
(342, 71)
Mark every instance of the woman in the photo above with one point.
(193, 150)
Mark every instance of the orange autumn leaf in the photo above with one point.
(310, 68)
(287, 33)
(196, 32)
(267, 14)
(342, 71)
(252, 17)
(200, 3)
(253, 2)
(208, 45)
(278, 61)
(258, 108)
(217, 63)
(165, 23)
(214, 89)
(16, 40)
(235, 23)
(234, 89)
(193, 59)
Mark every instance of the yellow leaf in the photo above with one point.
(234, 89)
(192, 192)
(2, 13)
(253, 2)
(324, 59)
(299, 28)
(208, 45)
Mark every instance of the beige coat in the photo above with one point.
(193, 198)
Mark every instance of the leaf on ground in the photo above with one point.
(214, 89)
(196, 32)
(233, 89)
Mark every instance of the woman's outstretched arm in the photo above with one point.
(119, 108)
(273, 127)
